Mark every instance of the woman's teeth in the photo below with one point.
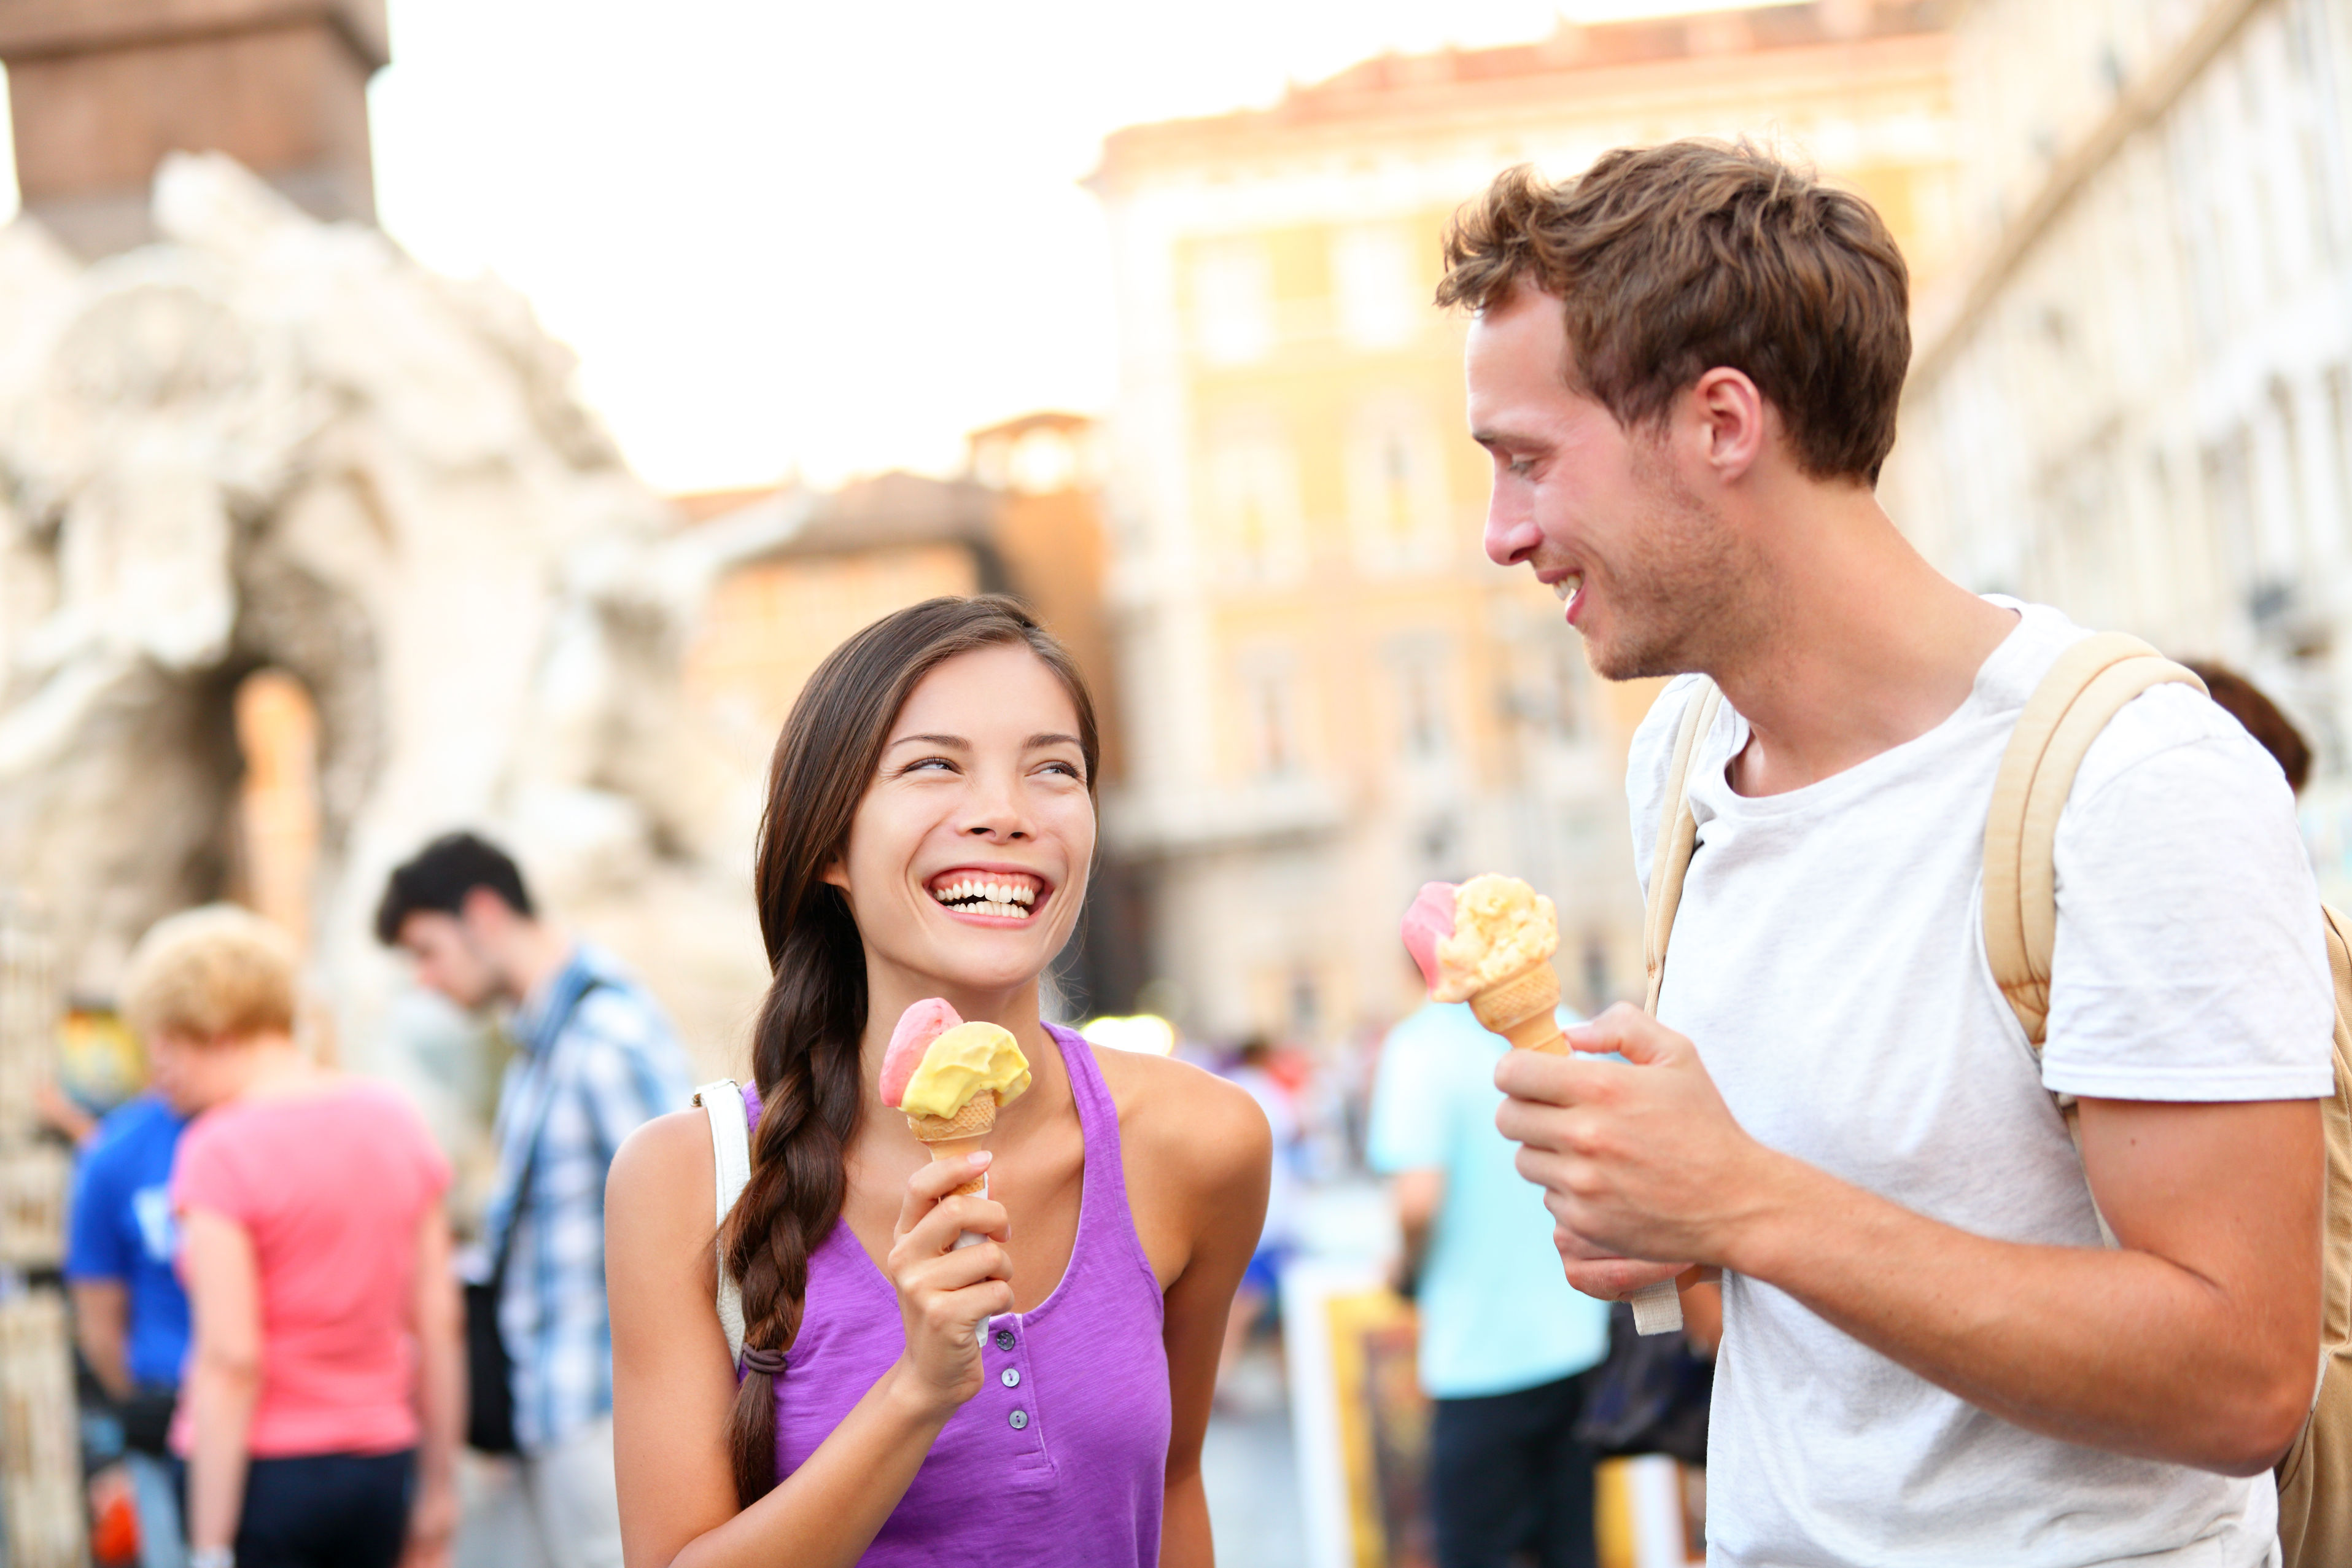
(983, 896)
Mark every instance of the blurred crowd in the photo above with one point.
(250, 1204)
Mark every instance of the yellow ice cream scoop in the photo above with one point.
(962, 1064)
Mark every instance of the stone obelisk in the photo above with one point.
(100, 90)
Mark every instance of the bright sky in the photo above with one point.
(829, 238)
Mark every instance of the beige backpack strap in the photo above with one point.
(2087, 685)
(730, 1154)
(1678, 837)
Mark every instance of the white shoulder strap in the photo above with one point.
(730, 1148)
(1678, 837)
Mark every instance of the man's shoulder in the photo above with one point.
(1653, 748)
(2171, 721)
(1648, 759)
(131, 1132)
(1433, 1050)
(617, 1009)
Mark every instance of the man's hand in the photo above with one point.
(1640, 1160)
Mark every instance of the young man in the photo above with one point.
(1503, 1339)
(1686, 367)
(131, 1314)
(594, 1058)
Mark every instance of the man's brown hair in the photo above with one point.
(1676, 259)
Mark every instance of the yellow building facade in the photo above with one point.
(1331, 695)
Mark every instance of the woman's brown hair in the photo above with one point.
(805, 1045)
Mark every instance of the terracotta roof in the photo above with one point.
(1387, 85)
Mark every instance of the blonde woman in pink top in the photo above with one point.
(321, 1409)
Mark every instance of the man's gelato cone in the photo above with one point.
(946, 1137)
(1489, 942)
(1524, 1009)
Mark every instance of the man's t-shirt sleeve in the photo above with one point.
(1412, 1109)
(99, 1244)
(2190, 962)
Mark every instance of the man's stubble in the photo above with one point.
(1689, 597)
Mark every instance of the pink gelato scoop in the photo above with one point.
(1429, 922)
(917, 1026)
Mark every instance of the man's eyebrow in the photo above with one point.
(1492, 439)
(957, 741)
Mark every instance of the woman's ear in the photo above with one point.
(835, 873)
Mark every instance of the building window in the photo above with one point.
(1256, 514)
(1421, 666)
(1395, 485)
(1568, 674)
(1379, 298)
(1270, 711)
(1274, 726)
(1233, 301)
(1421, 707)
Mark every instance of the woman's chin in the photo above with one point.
(980, 973)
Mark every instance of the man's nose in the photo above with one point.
(1511, 533)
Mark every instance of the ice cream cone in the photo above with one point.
(1522, 1008)
(945, 1137)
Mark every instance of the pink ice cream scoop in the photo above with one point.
(917, 1026)
(1429, 922)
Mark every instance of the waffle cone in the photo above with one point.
(1519, 1007)
(948, 1136)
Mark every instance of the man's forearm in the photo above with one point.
(2113, 1347)
(101, 1328)
(106, 1363)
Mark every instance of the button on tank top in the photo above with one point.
(1061, 1459)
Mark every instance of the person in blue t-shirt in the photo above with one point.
(130, 1316)
(1503, 1338)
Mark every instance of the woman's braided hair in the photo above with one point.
(805, 1045)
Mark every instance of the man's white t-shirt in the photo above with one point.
(1828, 960)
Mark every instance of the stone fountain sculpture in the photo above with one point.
(266, 441)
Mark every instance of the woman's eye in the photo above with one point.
(1068, 770)
(923, 762)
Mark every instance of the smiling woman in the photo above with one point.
(930, 824)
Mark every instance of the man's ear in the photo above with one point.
(482, 912)
(1733, 418)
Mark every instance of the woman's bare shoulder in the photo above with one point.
(665, 1170)
(1188, 1123)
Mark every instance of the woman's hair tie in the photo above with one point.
(767, 1364)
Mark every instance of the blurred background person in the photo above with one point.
(1261, 1285)
(1504, 1341)
(130, 1315)
(320, 1412)
(2245, 702)
(595, 1057)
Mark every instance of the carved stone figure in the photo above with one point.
(266, 441)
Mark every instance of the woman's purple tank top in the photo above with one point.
(1061, 1459)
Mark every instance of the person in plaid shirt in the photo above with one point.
(594, 1058)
